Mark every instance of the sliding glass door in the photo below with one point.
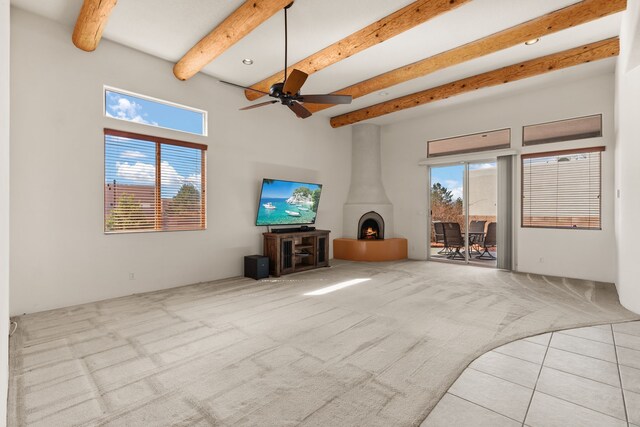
(482, 212)
(463, 213)
(448, 225)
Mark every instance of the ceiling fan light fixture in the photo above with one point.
(247, 61)
(532, 41)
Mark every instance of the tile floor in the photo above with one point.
(579, 377)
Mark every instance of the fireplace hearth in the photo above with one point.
(371, 227)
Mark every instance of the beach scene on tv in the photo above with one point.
(286, 202)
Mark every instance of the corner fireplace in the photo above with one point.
(371, 227)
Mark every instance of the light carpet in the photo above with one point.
(378, 352)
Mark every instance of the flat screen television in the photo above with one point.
(288, 202)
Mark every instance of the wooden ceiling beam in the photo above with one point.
(241, 22)
(570, 16)
(535, 67)
(91, 21)
(398, 22)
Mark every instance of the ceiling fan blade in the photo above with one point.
(243, 87)
(300, 111)
(325, 99)
(294, 82)
(262, 104)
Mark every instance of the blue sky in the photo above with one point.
(284, 189)
(139, 110)
(452, 177)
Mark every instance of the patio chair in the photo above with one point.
(488, 242)
(476, 235)
(438, 228)
(453, 240)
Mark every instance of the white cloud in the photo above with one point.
(130, 154)
(126, 109)
(170, 177)
(456, 192)
(477, 166)
(145, 173)
(455, 187)
(195, 179)
(138, 172)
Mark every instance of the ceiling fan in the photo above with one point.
(288, 92)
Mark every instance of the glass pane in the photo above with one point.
(138, 109)
(447, 213)
(181, 188)
(483, 205)
(561, 191)
(129, 193)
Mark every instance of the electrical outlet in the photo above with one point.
(132, 276)
(541, 260)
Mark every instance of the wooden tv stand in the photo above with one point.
(296, 251)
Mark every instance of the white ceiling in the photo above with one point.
(169, 28)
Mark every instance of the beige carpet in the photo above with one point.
(239, 352)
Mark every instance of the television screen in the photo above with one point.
(288, 202)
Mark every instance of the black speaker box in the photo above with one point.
(256, 267)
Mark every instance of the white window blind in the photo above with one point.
(561, 189)
(153, 184)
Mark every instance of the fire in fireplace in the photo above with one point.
(371, 227)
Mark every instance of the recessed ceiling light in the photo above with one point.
(383, 93)
(532, 41)
(247, 61)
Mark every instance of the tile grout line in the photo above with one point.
(582, 354)
(537, 379)
(481, 406)
(582, 406)
(495, 376)
(510, 355)
(579, 376)
(548, 367)
(624, 402)
(565, 333)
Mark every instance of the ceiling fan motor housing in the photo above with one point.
(276, 90)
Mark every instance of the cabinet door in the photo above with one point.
(287, 254)
(322, 251)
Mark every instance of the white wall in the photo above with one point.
(627, 155)
(4, 206)
(60, 255)
(584, 254)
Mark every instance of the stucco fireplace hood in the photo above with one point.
(366, 192)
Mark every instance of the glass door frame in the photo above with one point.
(465, 203)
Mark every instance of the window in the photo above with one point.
(153, 184)
(470, 143)
(131, 107)
(563, 130)
(561, 189)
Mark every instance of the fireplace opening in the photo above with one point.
(371, 227)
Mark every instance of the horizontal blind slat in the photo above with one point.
(132, 183)
(562, 190)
